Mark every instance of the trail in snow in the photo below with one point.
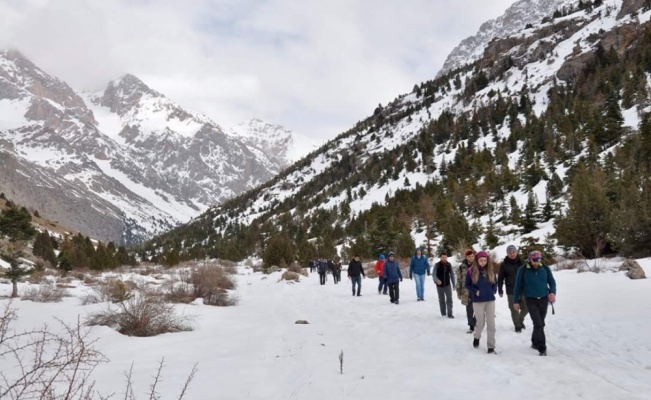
(598, 344)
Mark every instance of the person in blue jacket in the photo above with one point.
(391, 272)
(481, 282)
(417, 269)
(536, 283)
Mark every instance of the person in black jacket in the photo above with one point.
(508, 272)
(355, 273)
(445, 284)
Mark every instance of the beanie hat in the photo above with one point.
(381, 256)
(391, 254)
(468, 252)
(511, 248)
(482, 254)
(535, 256)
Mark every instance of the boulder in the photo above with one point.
(301, 322)
(634, 271)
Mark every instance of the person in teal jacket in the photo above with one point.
(417, 269)
(536, 283)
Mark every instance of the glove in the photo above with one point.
(411, 277)
(400, 279)
(428, 274)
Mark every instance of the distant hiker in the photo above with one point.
(445, 282)
(535, 282)
(321, 269)
(481, 282)
(336, 271)
(382, 285)
(508, 273)
(417, 269)
(462, 293)
(310, 264)
(355, 273)
(393, 276)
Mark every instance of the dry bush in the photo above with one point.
(211, 284)
(113, 290)
(141, 316)
(179, 290)
(229, 266)
(290, 276)
(295, 267)
(369, 270)
(41, 275)
(47, 365)
(44, 293)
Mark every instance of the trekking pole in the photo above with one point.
(553, 311)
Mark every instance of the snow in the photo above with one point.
(631, 118)
(597, 344)
(12, 113)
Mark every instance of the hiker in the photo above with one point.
(443, 276)
(355, 273)
(393, 276)
(508, 272)
(382, 285)
(417, 268)
(321, 269)
(535, 282)
(310, 264)
(481, 282)
(336, 271)
(462, 293)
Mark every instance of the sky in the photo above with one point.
(315, 67)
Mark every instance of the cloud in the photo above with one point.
(315, 67)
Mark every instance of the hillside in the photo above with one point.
(539, 133)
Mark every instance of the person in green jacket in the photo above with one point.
(536, 283)
(462, 293)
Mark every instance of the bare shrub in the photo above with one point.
(44, 293)
(179, 290)
(113, 290)
(206, 279)
(57, 366)
(290, 276)
(220, 298)
(141, 316)
(369, 270)
(229, 266)
(47, 365)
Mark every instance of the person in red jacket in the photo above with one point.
(379, 265)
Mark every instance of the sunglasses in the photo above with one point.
(537, 259)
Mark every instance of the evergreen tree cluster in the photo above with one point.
(605, 168)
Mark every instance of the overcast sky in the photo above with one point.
(314, 66)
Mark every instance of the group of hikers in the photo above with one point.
(323, 267)
(530, 288)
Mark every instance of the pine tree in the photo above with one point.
(16, 224)
(42, 247)
(588, 219)
(530, 217)
(492, 240)
(280, 251)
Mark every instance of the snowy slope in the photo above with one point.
(597, 345)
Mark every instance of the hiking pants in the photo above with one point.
(356, 280)
(485, 314)
(322, 278)
(445, 299)
(382, 286)
(420, 285)
(470, 314)
(394, 291)
(518, 316)
(538, 312)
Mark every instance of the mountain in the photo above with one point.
(279, 143)
(515, 19)
(538, 139)
(121, 165)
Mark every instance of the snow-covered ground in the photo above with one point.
(598, 344)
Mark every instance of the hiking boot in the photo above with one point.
(533, 346)
(392, 301)
(450, 316)
(470, 331)
(358, 294)
(396, 302)
(523, 327)
(518, 330)
(418, 299)
(491, 351)
(475, 343)
(542, 353)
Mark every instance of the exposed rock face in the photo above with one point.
(158, 166)
(630, 6)
(514, 20)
